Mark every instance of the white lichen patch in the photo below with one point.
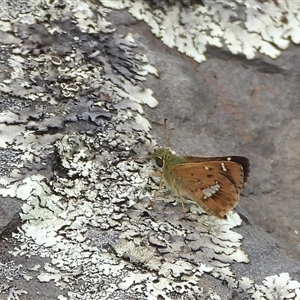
(10, 272)
(244, 27)
(273, 287)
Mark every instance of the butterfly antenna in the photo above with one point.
(166, 137)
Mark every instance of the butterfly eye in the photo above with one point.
(159, 161)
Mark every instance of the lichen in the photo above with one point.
(79, 138)
(9, 273)
(273, 287)
(244, 27)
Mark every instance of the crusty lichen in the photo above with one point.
(85, 193)
(244, 27)
(273, 287)
(10, 272)
(91, 202)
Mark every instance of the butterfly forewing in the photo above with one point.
(239, 160)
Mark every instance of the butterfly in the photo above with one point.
(214, 183)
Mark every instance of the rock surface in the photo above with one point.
(75, 83)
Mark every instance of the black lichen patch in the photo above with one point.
(165, 3)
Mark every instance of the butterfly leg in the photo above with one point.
(181, 200)
(157, 173)
(152, 174)
(146, 178)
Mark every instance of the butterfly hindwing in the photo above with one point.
(214, 185)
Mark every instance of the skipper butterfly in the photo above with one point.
(214, 183)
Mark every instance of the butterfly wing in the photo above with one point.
(214, 185)
(241, 160)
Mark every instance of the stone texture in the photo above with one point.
(82, 228)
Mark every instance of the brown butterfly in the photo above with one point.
(214, 183)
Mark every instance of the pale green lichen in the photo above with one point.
(244, 27)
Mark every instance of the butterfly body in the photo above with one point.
(214, 183)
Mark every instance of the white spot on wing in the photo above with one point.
(208, 192)
(223, 167)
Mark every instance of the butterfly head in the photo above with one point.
(160, 156)
(165, 159)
